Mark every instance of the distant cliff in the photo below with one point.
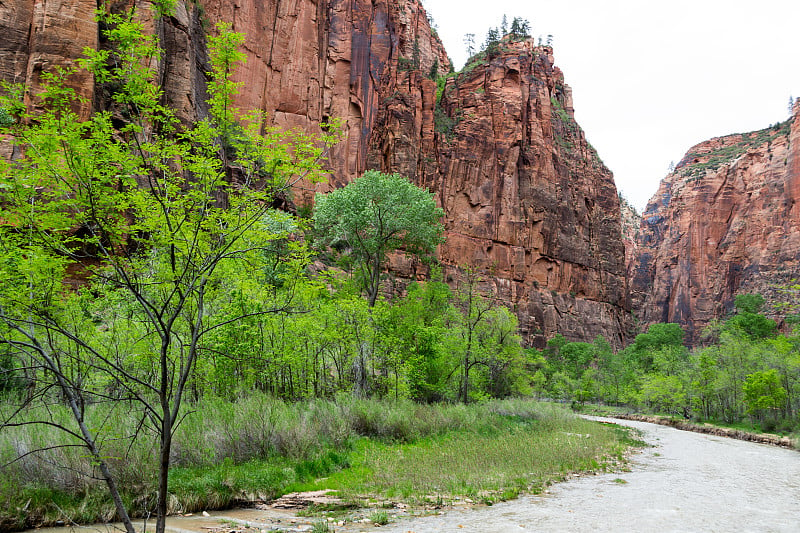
(527, 199)
(726, 221)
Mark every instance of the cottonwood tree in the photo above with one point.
(374, 215)
(146, 217)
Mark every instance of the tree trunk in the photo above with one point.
(163, 473)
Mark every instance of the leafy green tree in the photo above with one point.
(416, 324)
(658, 336)
(748, 303)
(748, 321)
(483, 334)
(763, 392)
(576, 357)
(147, 216)
(752, 325)
(664, 393)
(492, 44)
(704, 380)
(5, 118)
(374, 215)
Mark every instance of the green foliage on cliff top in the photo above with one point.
(721, 156)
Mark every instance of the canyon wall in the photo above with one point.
(527, 201)
(725, 222)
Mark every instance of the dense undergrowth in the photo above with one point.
(260, 447)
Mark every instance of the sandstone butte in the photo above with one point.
(724, 222)
(527, 200)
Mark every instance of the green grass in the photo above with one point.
(218, 487)
(380, 517)
(261, 448)
(726, 154)
(489, 464)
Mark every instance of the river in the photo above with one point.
(684, 482)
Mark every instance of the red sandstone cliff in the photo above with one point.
(526, 198)
(726, 221)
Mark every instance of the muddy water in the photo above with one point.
(686, 482)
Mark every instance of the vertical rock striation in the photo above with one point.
(726, 221)
(526, 198)
(40, 35)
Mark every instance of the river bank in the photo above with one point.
(370, 452)
(685, 481)
(709, 429)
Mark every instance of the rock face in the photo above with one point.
(311, 60)
(726, 221)
(631, 225)
(39, 35)
(526, 198)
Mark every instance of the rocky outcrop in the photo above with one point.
(309, 61)
(726, 221)
(527, 200)
(40, 35)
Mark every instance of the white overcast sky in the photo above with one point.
(651, 78)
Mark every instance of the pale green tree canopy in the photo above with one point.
(374, 215)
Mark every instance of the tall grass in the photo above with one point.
(485, 463)
(260, 447)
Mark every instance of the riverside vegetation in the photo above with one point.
(745, 374)
(260, 447)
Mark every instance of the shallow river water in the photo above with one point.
(685, 482)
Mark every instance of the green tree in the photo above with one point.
(484, 334)
(763, 392)
(416, 326)
(492, 44)
(748, 303)
(147, 215)
(576, 357)
(658, 336)
(520, 28)
(751, 325)
(374, 215)
(748, 321)
(5, 118)
(664, 393)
